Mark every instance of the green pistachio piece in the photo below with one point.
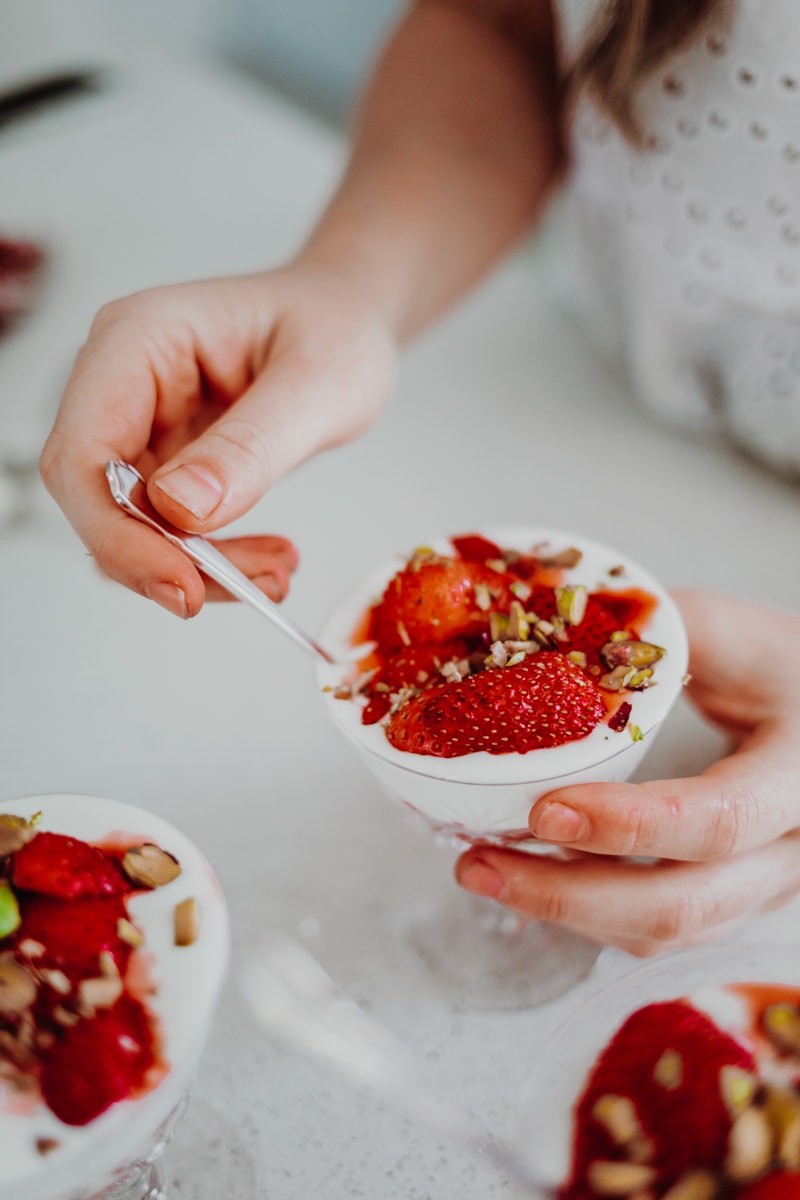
(9, 911)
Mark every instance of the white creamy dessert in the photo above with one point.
(482, 795)
(81, 1160)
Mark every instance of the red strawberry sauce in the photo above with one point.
(444, 609)
(80, 1056)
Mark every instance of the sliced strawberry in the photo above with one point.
(54, 865)
(783, 1185)
(434, 600)
(544, 701)
(97, 1062)
(473, 547)
(678, 1099)
(74, 934)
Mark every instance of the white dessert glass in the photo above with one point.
(561, 1065)
(483, 797)
(114, 1157)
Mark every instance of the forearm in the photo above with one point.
(455, 150)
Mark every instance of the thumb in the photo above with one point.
(272, 427)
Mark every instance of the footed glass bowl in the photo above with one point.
(114, 1156)
(563, 1064)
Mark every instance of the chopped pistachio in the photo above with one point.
(668, 1071)
(578, 657)
(102, 992)
(483, 597)
(128, 933)
(694, 1185)
(46, 1145)
(738, 1088)
(186, 922)
(499, 654)
(616, 1178)
(617, 1115)
(568, 558)
(543, 631)
(636, 733)
(571, 603)
(782, 1027)
(498, 626)
(17, 986)
(749, 1146)
(521, 590)
(9, 911)
(150, 866)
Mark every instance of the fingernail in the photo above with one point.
(271, 584)
(169, 596)
(195, 488)
(482, 879)
(556, 822)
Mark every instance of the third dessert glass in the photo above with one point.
(558, 647)
(677, 1079)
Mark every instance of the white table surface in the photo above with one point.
(502, 415)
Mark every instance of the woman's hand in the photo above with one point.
(214, 390)
(729, 838)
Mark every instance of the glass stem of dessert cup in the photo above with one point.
(143, 1179)
(486, 957)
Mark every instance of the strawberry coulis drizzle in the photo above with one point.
(78, 1064)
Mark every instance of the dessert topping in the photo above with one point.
(149, 866)
(186, 922)
(69, 1027)
(46, 1145)
(782, 1027)
(17, 986)
(448, 620)
(9, 911)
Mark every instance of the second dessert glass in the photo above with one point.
(115, 1156)
(484, 955)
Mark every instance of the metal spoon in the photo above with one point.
(130, 492)
(293, 1000)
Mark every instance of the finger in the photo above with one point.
(107, 412)
(278, 423)
(738, 804)
(312, 393)
(664, 902)
(649, 947)
(267, 561)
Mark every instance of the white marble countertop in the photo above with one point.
(502, 415)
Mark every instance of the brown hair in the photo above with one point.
(630, 40)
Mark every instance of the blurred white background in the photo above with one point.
(315, 50)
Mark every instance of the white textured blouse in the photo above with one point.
(692, 247)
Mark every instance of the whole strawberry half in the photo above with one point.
(98, 1061)
(667, 1059)
(544, 701)
(54, 865)
(434, 600)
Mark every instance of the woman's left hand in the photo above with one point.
(729, 838)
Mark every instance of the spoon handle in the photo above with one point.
(130, 492)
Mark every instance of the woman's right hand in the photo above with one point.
(214, 390)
